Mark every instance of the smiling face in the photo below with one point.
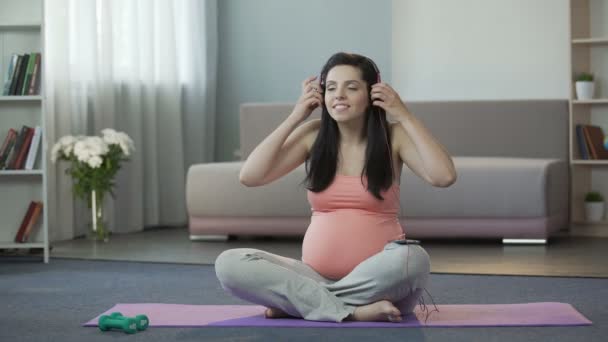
(346, 94)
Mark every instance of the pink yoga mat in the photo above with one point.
(528, 314)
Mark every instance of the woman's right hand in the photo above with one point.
(310, 99)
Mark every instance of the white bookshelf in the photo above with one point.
(22, 31)
(588, 53)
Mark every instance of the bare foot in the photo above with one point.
(275, 313)
(379, 311)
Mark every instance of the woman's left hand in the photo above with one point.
(387, 98)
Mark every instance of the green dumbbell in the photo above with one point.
(141, 321)
(126, 324)
(116, 315)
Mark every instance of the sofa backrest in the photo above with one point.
(499, 128)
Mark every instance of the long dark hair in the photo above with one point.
(321, 166)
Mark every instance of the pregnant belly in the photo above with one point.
(336, 242)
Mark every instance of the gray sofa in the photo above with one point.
(511, 159)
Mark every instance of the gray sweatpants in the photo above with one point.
(398, 273)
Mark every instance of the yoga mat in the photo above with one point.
(496, 315)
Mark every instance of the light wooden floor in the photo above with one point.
(562, 256)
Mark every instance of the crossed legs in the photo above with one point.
(383, 287)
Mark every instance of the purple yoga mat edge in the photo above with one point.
(290, 323)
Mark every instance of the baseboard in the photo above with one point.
(209, 238)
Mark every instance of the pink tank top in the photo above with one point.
(348, 225)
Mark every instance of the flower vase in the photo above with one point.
(99, 230)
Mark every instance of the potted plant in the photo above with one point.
(594, 206)
(585, 86)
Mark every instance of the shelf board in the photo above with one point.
(594, 101)
(27, 26)
(21, 98)
(589, 229)
(20, 172)
(590, 41)
(591, 223)
(589, 162)
(7, 244)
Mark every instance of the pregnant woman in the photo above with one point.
(356, 263)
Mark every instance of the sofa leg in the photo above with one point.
(210, 238)
(524, 241)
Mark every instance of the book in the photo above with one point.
(592, 153)
(28, 75)
(580, 140)
(6, 150)
(21, 78)
(7, 139)
(12, 161)
(35, 82)
(33, 152)
(9, 74)
(596, 140)
(32, 223)
(15, 75)
(20, 161)
(24, 222)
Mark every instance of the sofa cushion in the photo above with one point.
(491, 187)
(213, 189)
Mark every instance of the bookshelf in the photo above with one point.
(588, 53)
(22, 32)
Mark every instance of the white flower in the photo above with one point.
(67, 150)
(112, 137)
(63, 147)
(92, 150)
(108, 131)
(95, 161)
(126, 144)
(90, 147)
(55, 152)
(67, 144)
(67, 140)
(87, 154)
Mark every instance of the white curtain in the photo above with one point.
(145, 67)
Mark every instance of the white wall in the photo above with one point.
(267, 47)
(480, 49)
